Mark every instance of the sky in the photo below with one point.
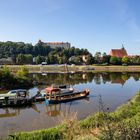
(97, 25)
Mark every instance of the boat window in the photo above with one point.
(13, 92)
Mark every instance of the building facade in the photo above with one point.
(53, 45)
(65, 45)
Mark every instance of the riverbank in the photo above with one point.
(123, 123)
(8, 80)
(74, 68)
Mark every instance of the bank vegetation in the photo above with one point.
(20, 79)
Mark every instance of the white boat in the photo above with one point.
(17, 97)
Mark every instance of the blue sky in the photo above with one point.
(97, 25)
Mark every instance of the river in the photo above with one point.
(113, 89)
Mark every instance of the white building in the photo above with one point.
(56, 44)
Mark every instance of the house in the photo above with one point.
(85, 58)
(118, 52)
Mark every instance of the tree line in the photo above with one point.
(104, 59)
(26, 53)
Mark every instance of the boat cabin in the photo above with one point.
(52, 91)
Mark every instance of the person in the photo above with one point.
(18, 94)
(38, 93)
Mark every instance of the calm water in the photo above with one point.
(114, 88)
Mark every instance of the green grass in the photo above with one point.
(45, 134)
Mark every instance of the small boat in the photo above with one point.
(15, 98)
(40, 96)
(54, 96)
(21, 92)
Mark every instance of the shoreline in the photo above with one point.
(93, 122)
(74, 69)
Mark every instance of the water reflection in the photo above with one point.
(6, 112)
(115, 89)
(79, 78)
(51, 110)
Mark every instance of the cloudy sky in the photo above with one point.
(97, 25)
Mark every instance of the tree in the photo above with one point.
(115, 60)
(21, 59)
(6, 78)
(38, 59)
(90, 60)
(24, 59)
(22, 73)
(105, 58)
(125, 60)
(135, 60)
(97, 57)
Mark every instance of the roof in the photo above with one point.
(118, 52)
(52, 89)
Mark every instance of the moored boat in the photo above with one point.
(15, 98)
(40, 96)
(54, 96)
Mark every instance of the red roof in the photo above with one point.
(118, 52)
(55, 43)
(51, 89)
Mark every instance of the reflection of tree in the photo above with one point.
(105, 77)
(77, 78)
(119, 78)
(9, 113)
(97, 79)
(58, 79)
(136, 76)
(125, 76)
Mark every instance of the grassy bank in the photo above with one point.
(124, 123)
(75, 68)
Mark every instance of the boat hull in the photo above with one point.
(67, 99)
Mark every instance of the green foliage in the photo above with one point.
(24, 59)
(10, 81)
(76, 60)
(46, 134)
(39, 59)
(90, 60)
(23, 53)
(22, 77)
(115, 60)
(23, 72)
(125, 60)
(19, 52)
(6, 78)
(97, 58)
(135, 60)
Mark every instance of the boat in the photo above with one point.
(15, 98)
(21, 92)
(54, 96)
(40, 96)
